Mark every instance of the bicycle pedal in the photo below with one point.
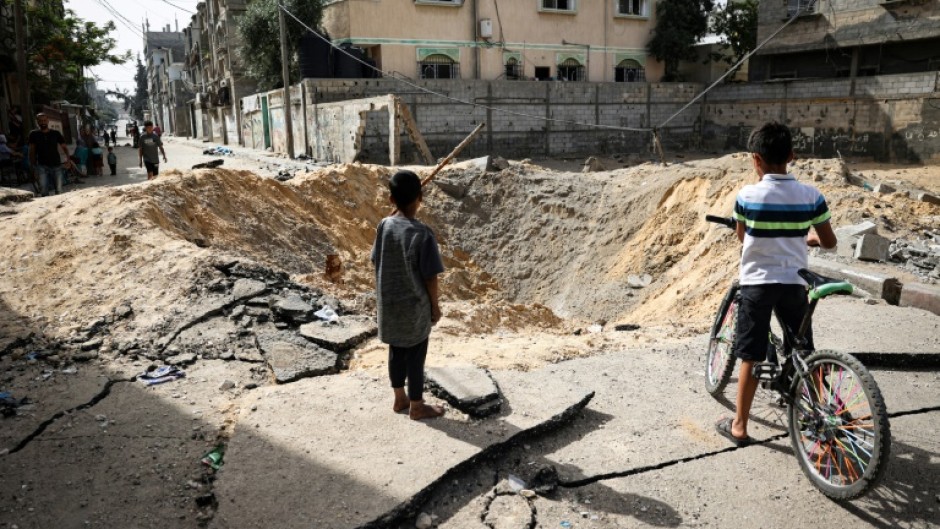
(765, 371)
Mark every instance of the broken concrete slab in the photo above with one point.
(848, 237)
(9, 195)
(293, 308)
(872, 247)
(880, 286)
(921, 296)
(291, 357)
(349, 332)
(248, 288)
(639, 281)
(928, 197)
(391, 460)
(465, 387)
(884, 189)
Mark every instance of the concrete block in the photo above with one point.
(921, 296)
(347, 333)
(877, 285)
(872, 247)
(848, 236)
(467, 388)
(927, 197)
(884, 189)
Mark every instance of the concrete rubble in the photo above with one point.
(465, 387)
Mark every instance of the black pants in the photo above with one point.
(757, 304)
(113, 167)
(408, 363)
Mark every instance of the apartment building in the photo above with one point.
(165, 54)
(847, 38)
(214, 69)
(567, 40)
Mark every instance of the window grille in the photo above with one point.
(631, 7)
(629, 71)
(513, 69)
(438, 67)
(800, 6)
(570, 70)
(558, 5)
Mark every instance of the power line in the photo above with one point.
(178, 7)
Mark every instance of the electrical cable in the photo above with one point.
(454, 99)
(800, 10)
(178, 7)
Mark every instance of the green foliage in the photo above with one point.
(60, 47)
(259, 35)
(680, 24)
(736, 24)
(136, 105)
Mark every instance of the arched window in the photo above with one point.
(570, 70)
(438, 67)
(513, 69)
(629, 71)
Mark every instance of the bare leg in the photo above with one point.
(401, 400)
(747, 387)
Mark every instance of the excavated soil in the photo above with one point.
(534, 256)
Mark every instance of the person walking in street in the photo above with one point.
(149, 145)
(45, 146)
(113, 136)
(112, 161)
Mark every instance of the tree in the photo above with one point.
(680, 24)
(736, 24)
(60, 47)
(138, 103)
(260, 47)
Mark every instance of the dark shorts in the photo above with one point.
(152, 168)
(755, 306)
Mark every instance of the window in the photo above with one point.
(570, 70)
(637, 8)
(557, 5)
(513, 69)
(440, 2)
(800, 6)
(543, 73)
(629, 71)
(438, 67)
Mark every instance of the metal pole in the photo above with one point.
(26, 109)
(285, 74)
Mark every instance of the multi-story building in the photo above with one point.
(215, 71)
(165, 53)
(847, 38)
(571, 40)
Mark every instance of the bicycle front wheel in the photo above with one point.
(839, 426)
(719, 362)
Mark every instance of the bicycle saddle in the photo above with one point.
(822, 286)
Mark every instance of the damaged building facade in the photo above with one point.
(166, 83)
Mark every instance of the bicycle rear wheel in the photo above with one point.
(839, 426)
(719, 362)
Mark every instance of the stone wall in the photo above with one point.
(893, 117)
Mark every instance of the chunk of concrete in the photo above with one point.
(291, 357)
(869, 283)
(639, 281)
(884, 189)
(329, 452)
(467, 388)
(927, 197)
(248, 288)
(592, 165)
(921, 296)
(349, 332)
(293, 308)
(848, 236)
(872, 247)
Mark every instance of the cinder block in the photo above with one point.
(884, 189)
(872, 247)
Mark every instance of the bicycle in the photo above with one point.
(836, 417)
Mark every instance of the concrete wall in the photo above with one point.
(887, 118)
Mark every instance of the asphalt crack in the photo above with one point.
(666, 464)
(101, 395)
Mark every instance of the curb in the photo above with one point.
(880, 286)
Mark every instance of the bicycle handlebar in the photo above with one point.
(727, 222)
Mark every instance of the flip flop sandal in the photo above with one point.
(724, 428)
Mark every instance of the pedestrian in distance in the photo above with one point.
(149, 144)
(774, 217)
(80, 157)
(157, 130)
(46, 150)
(97, 159)
(113, 136)
(407, 262)
(112, 161)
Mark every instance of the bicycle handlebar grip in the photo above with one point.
(724, 221)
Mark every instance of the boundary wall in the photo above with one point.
(887, 118)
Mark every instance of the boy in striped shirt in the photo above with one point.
(774, 219)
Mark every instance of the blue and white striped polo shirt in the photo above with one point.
(777, 212)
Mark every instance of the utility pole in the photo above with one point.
(26, 110)
(285, 74)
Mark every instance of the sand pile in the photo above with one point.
(524, 247)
